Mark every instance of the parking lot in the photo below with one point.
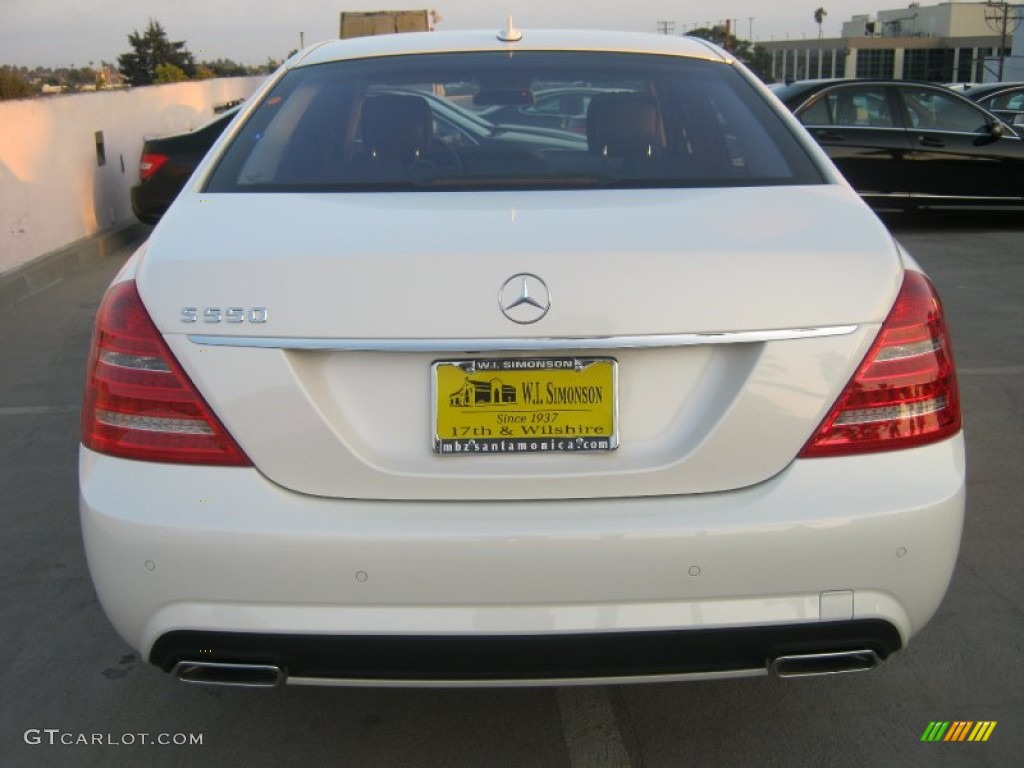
(72, 694)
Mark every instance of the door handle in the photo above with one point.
(930, 141)
(829, 135)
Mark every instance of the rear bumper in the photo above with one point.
(520, 659)
(147, 205)
(215, 564)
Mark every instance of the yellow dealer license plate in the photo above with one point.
(525, 405)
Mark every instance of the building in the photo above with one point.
(948, 42)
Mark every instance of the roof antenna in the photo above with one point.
(510, 34)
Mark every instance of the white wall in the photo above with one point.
(52, 190)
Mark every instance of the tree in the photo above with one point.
(225, 68)
(168, 73)
(150, 50)
(76, 78)
(819, 19)
(758, 60)
(13, 85)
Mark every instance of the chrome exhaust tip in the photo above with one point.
(835, 663)
(237, 675)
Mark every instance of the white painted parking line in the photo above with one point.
(1008, 370)
(34, 410)
(590, 730)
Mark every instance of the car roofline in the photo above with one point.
(991, 89)
(478, 41)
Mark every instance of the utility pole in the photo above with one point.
(666, 27)
(999, 19)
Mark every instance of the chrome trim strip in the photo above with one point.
(543, 344)
(543, 682)
(836, 127)
(833, 127)
(1015, 201)
(971, 134)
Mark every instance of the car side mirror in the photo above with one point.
(997, 130)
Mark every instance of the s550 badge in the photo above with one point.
(224, 314)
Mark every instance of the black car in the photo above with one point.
(911, 144)
(1003, 99)
(168, 161)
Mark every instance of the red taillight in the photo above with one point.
(904, 394)
(139, 403)
(150, 163)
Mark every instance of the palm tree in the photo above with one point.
(819, 18)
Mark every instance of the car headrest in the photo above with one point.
(625, 125)
(396, 126)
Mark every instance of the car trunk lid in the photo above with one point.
(727, 337)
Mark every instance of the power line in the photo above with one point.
(999, 19)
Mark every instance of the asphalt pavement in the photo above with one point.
(73, 694)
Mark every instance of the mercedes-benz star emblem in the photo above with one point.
(524, 298)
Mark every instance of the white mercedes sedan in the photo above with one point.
(386, 402)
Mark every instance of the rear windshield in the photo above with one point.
(498, 120)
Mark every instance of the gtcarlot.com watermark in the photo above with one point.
(56, 737)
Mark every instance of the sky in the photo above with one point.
(58, 33)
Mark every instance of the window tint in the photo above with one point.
(851, 106)
(420, 122)
(818, 112)
(555, 105)
(940, 111)
(1006, 101)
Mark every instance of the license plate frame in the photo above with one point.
(509, 405)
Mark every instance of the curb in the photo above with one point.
(49, 269)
